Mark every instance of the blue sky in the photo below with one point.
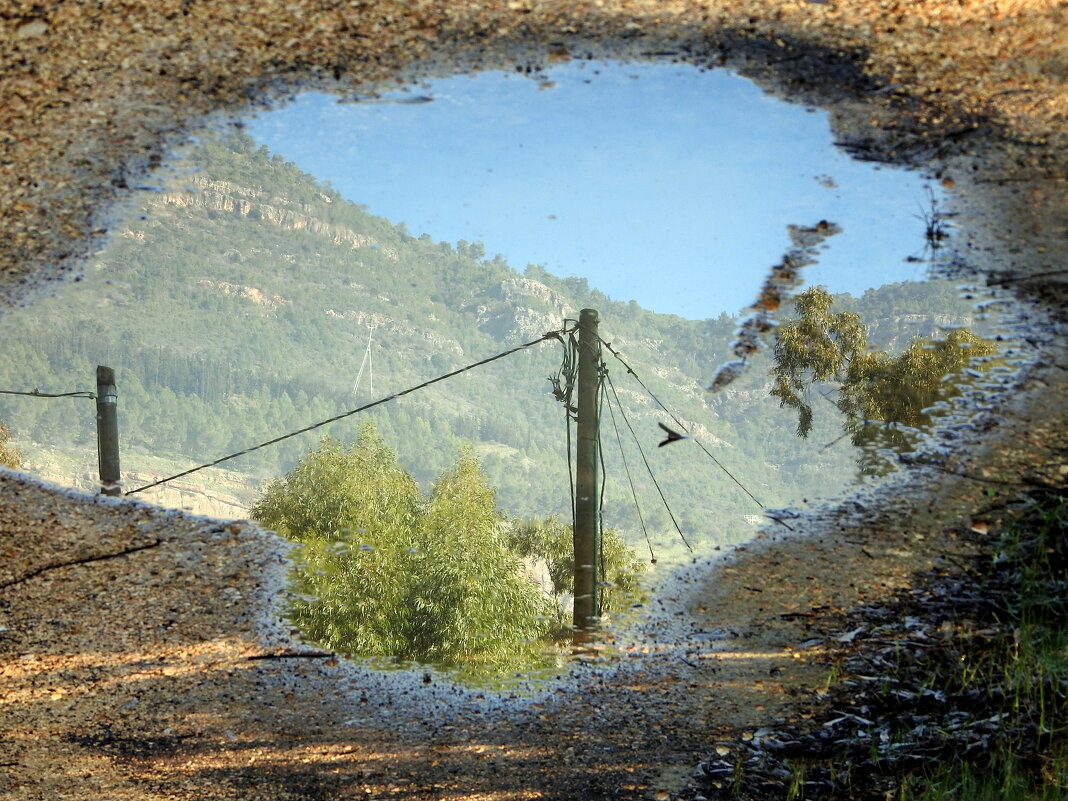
(659, 183)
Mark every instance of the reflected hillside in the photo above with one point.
(283, 304)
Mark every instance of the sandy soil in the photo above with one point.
(132, 639)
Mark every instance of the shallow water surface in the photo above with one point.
(685, 192)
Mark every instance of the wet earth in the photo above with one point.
(137, 661)
(142, 655)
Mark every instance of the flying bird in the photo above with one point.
(672, 436)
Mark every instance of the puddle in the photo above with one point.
(251, 298)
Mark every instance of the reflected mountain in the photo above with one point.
(249, 299)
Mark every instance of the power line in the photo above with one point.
(684, 427)
(630, 480)
(678, 422)
(557, 335)
(38, 394)
(648, 467)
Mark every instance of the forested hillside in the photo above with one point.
(242, 301)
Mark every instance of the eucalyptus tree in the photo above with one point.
(384, 572)
(887, 401)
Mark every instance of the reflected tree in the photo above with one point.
(885, 399)
(354, 512)
(550, 542)
(467, 596)
(383, 572)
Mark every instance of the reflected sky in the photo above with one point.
(659, 183)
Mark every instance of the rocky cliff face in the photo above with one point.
(216, 197)
(895, 333)
(520, 309)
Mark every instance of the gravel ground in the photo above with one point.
(140, 650)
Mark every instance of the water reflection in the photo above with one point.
(248, 295)
(659, 183)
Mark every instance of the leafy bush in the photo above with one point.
(385, 572)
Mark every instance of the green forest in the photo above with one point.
(243, 299)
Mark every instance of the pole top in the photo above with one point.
(104, 375)
(589, 316)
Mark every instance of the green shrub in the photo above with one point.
(383, 572)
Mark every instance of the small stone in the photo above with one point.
(31, 29)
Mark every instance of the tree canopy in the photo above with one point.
(885, 399)
(385, 572)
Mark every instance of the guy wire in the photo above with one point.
(683, 426)
(648, 467)
(630, 480)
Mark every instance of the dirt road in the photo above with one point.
(131, 638)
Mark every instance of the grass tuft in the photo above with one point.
(1023, 671)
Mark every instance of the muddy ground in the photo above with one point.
(141, 653)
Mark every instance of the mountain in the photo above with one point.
(246, 299)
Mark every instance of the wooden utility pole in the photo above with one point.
(107, 431)
(587, 531)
